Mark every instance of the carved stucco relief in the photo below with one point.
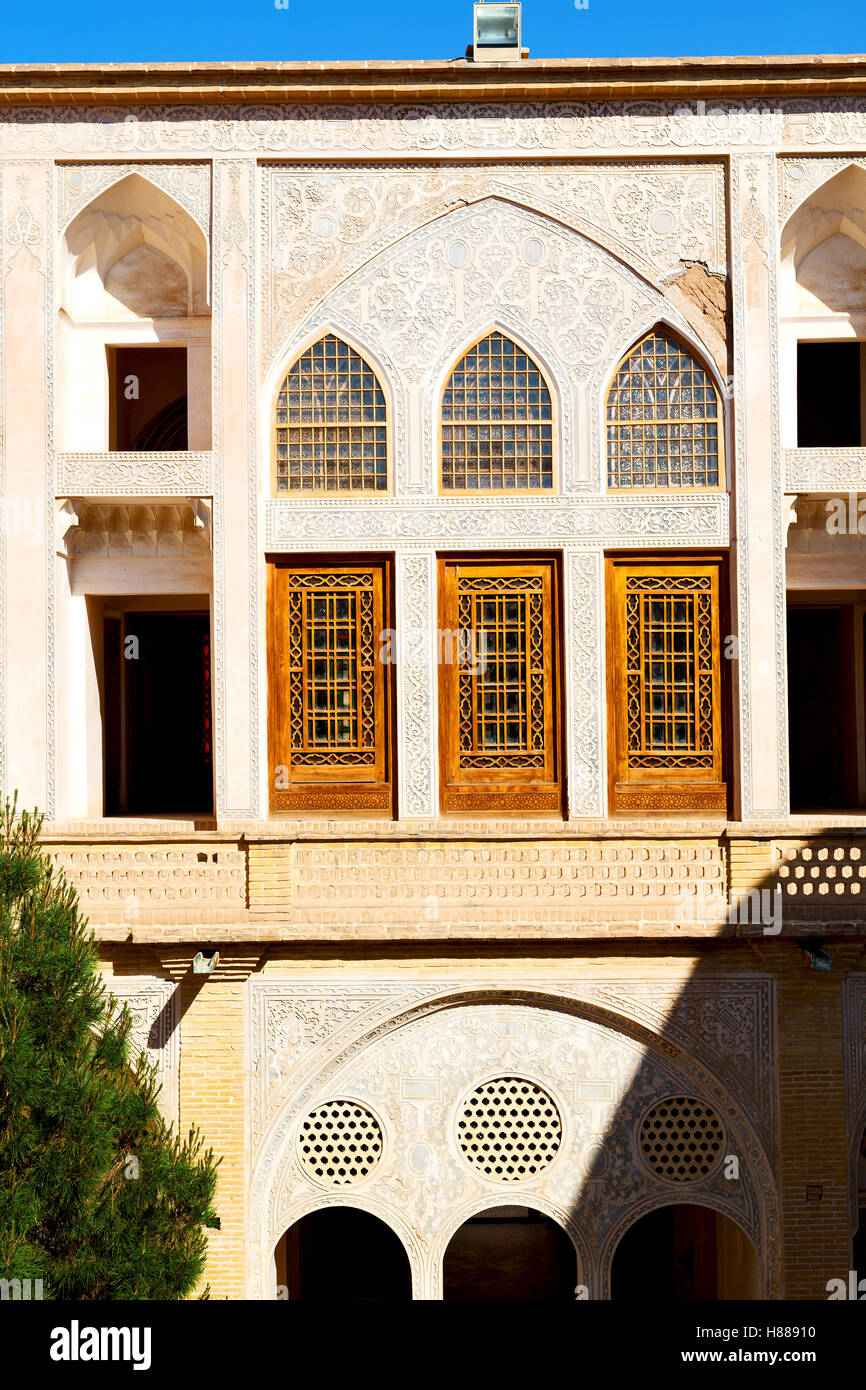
(321, 223)
(417, 305)
(519, 128)
(188, 184)
(798, 178)
(153, 1005)
(412, 1060)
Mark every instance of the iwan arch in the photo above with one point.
(279, 377)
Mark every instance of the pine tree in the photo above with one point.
(98, 1197)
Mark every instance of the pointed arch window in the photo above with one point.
(664, 419)
(331, 423)
(497, 422)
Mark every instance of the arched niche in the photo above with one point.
(823, 315)
(340, 1253)
(133, 282)
(511, 1253)
(685, 1252)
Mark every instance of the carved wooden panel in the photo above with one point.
(499, 683)
(664, 686)
(329, 693)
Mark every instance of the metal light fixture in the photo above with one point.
(497, 33)
(821, 960)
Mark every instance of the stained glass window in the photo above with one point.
(497, 432)
(331, 423)
(663, 420)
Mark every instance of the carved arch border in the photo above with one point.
(386, 1213)
(679, 326)
(624, 1223)
(387, 375)
(274, 1152)
(463, 1213)
(555, 375)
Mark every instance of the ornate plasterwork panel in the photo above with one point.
(155, 1030)
(798, 178)
(825, 470)
(419, 304)
(172, 474)
(603, 1064)
(416, 684)
(562, 128)
(675, 520)
(320, 223)
(187, 184)
(585, 701)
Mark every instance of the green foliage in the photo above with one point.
(98, 1197)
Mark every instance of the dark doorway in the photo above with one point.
(828, 395)
(684, 1253)
(158, 733)
(342, 1254)
(822, 733)
(510, 1253)
(148, 394)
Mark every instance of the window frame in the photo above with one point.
(329, 786)
(555, 410)
(703, 361)
(636, 789)
(319, 492)
(505, 790)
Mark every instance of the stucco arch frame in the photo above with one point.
(275, 1150)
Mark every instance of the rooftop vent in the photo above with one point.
(497, 34)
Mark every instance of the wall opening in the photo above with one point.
(826, 703)
(831, 399)
(342, 1254)
(157, 721)
(148, 400)
(685, 1253)
(512, 1253)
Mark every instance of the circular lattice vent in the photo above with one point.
(340, 1143)
(509, 1129)
(681, 1139)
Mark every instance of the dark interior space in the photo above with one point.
(157, 714)
(342, 1254)
(669, 1254)
(822, 734)
(828, 395)
(510, 1253)
(148, 395)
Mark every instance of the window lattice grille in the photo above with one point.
(502, 708)
(340, 1142)
(663, 416)
(332, 669)
(509, 1129)
(669, 671)
(331, 423)
(682, 1139)
(497, 433)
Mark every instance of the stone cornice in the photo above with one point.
(432, 81)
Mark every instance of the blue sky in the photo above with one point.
(180, 30)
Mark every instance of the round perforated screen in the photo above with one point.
(509, 1129)
(340, 1142)
(681, 1139)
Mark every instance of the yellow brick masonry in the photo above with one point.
(814, 1144)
